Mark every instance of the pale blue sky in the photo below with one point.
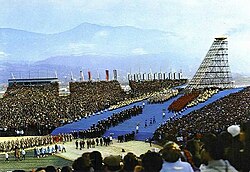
(194, 22)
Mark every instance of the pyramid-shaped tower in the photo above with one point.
(214, 70)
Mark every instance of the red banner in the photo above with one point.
(89, 75)
(107, 75)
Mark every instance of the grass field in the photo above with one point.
(31, 162)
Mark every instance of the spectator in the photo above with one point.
(245, 138)
(212, 154)
(82, 164)
(193, 146)
(66, 169)
(129, 161)
(96, 160)
(50, 169)
(233, 146)
(171, 154)
(112, 163)
(152, 162)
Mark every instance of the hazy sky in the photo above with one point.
(194, 22)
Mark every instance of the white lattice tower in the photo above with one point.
(214, 70)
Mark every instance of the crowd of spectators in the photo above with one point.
(24, 108)
(152, 97)
(162, 96)
(150, 86)
(129, 101)
(208, 153)
(215, 117)
(91, 97)
(30, 109)
(38, 109)
(204, 96)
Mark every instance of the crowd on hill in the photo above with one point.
(150, 86)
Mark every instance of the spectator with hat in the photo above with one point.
(112, 163)
(234, 152)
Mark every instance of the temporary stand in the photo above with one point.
(214, 70)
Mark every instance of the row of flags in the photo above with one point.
(136, 76)
(155, 76)
(82, 78)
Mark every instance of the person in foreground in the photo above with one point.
(171, 154)
(212, 154)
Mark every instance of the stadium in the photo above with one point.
(162, 121)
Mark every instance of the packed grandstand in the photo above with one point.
(39, 109)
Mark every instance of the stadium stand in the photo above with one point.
(150, 86)
(215, 117)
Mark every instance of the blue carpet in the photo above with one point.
(149, 111)
(86, 123)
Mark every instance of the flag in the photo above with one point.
(71, 76)
(81, 76)
(170, 75)
(129, 76)
(180, 74)
(107, 75)
(89, 75)
(115, 75)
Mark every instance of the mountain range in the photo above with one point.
(81, 40)
(90, 47)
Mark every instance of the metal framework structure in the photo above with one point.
(214, 70)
